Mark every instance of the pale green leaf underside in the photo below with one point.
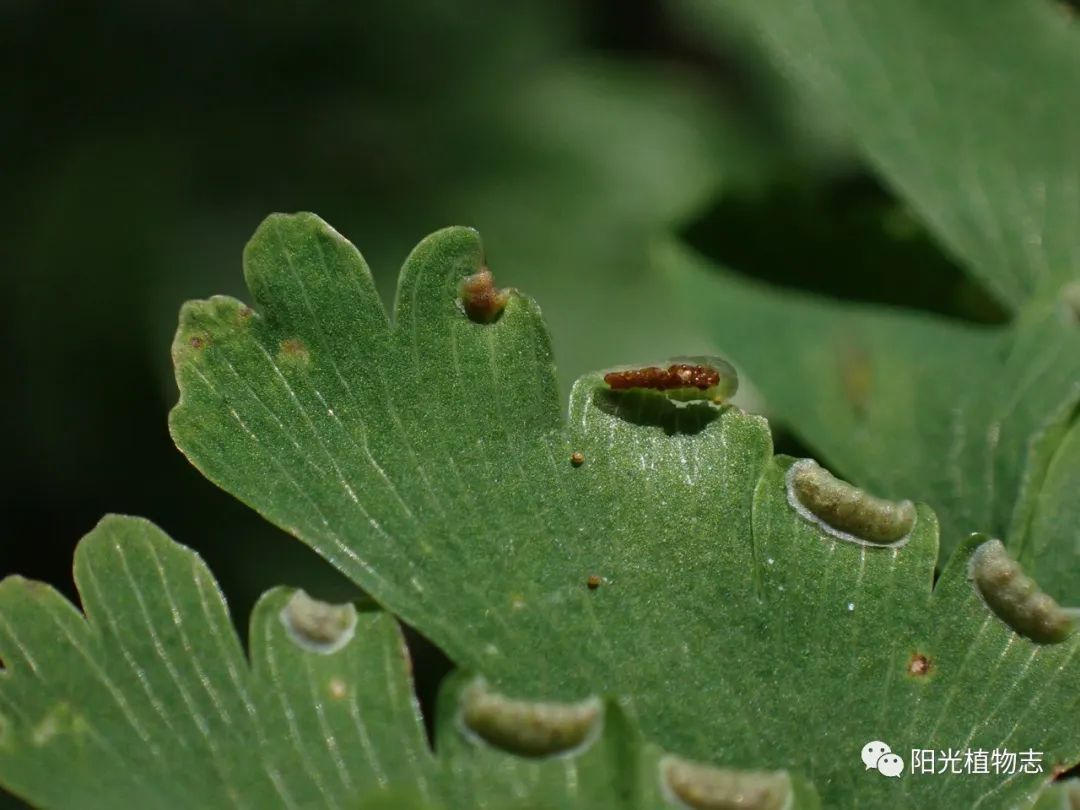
(968, 419)
(430, 462)
(971, 108)
(149, 701)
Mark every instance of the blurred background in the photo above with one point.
(142, 143)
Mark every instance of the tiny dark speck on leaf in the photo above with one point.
(593, 582)
(577, 458)
(919, 665)
(197, 342)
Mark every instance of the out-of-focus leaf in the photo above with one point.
(428, 459)
(971, 109)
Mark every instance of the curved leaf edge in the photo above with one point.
(616, 767)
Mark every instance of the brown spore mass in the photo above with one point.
(482, 300)
(678, 375)
(197, 342)
(919, 665)
(593, 582)
(293, 346)
(577, 458)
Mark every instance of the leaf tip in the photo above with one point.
(203, 323)
(456, 241)
(281, 224)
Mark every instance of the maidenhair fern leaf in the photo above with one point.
(149, 701)
(644, 547)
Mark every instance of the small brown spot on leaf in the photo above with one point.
(294, 352)
(197, 342)
(593, 581)
(577, 458)
(482, 300)
(245, 313)
(919, 665)
(337, 688)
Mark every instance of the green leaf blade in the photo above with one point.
(149, 701)
(332, 714)
(644, 569)
(968, 108)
